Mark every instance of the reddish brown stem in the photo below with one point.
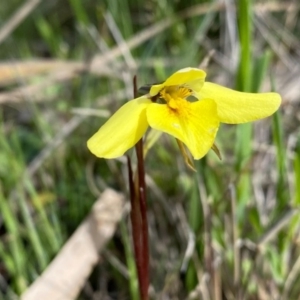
(144, 284)
(136, 223)
(138, 217)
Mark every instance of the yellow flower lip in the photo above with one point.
(193, 123)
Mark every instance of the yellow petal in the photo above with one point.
(190, 77)
(195, 124)
(122, 130)
(236, 107)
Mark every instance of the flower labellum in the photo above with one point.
(194, 123)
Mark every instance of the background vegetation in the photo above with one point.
(229, 231)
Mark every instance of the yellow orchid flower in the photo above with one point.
(195, 123)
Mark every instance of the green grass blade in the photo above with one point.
(296, 200)
(79, 11)
(133, 279)
(260, 70)
(50, 233)
(245, 34)
(282, 189)
(47, 32)
(31, 231)
(16, 259)
(243, 150)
